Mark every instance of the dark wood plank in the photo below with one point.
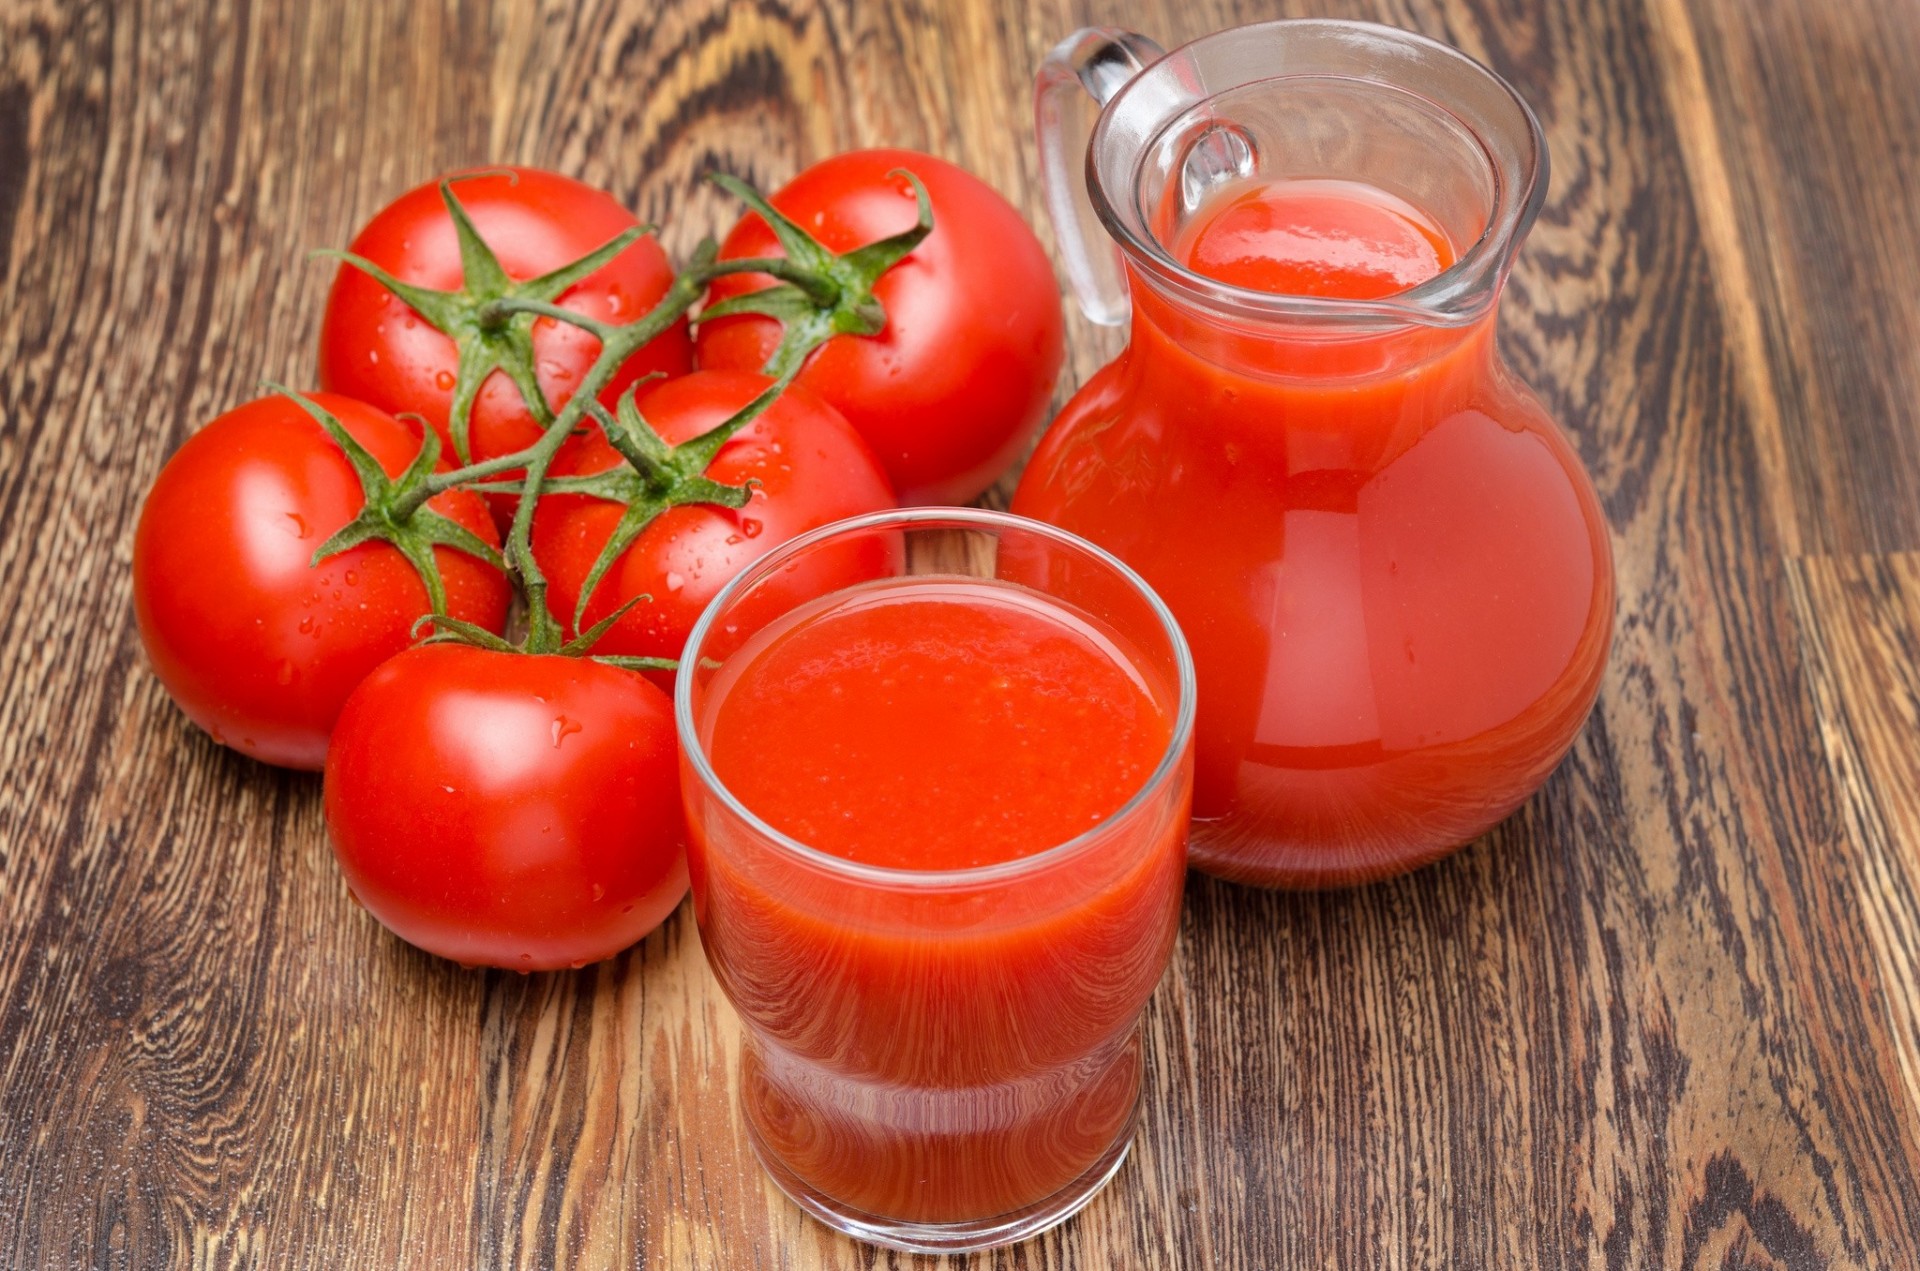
(209, 1055)
(1813, 110)
(1860, 621)
(1663, 1017)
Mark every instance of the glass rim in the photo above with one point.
(927, 879)
(1457, 296)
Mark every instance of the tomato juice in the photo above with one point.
(935, 725)
(1391, 568)
(1342, 239)
(941, 989)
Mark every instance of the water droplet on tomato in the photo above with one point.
(615, 303)
(626, 909)
(674, 581)
(284, 673)
(373, 356)
(353, 579)
(380, 328)
(553, 370)
(306, 625)
(577, 963)
(386, 296)
(750, 527)
(733, 540)
(564, 728)
(354, 896)
(444, 381)
(299, 525)
(409, 322)
(599, 893)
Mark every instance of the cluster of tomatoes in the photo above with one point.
(456, 577)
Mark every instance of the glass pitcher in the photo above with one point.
(1389, 562)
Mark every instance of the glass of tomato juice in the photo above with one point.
(937, 767)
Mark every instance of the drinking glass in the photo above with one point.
(947, 1060)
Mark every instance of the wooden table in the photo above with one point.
(1669, 1015)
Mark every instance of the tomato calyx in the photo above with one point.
(389, 514)
(655, 477)
(484, 318)
(617, 343)
(455, 631)
(820, 294)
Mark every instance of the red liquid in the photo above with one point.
(1391, 568)
(1314, 238)
(938, 1053)
(936, 725)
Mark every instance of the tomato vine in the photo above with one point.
(815, 294)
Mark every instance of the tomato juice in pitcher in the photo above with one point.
(1390, 565)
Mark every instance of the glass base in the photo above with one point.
(950, 1237)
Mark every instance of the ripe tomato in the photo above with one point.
(810, 468)
(508, 809)
(952, 389)
(374, 347)
(258, 646)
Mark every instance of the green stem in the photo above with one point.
(616, 346)
(495, 314)
(440, 482)
(559, 313)
(822, 291)
(792, 354)
(543, 633)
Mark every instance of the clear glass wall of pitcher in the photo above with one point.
(1391, 567)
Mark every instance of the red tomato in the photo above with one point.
(257, 646)
(811, 468)
(952, 389)
(508, 809)
(374, 347)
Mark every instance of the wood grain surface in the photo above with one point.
(1667, 1016)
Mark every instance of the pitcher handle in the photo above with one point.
(1099, 59)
